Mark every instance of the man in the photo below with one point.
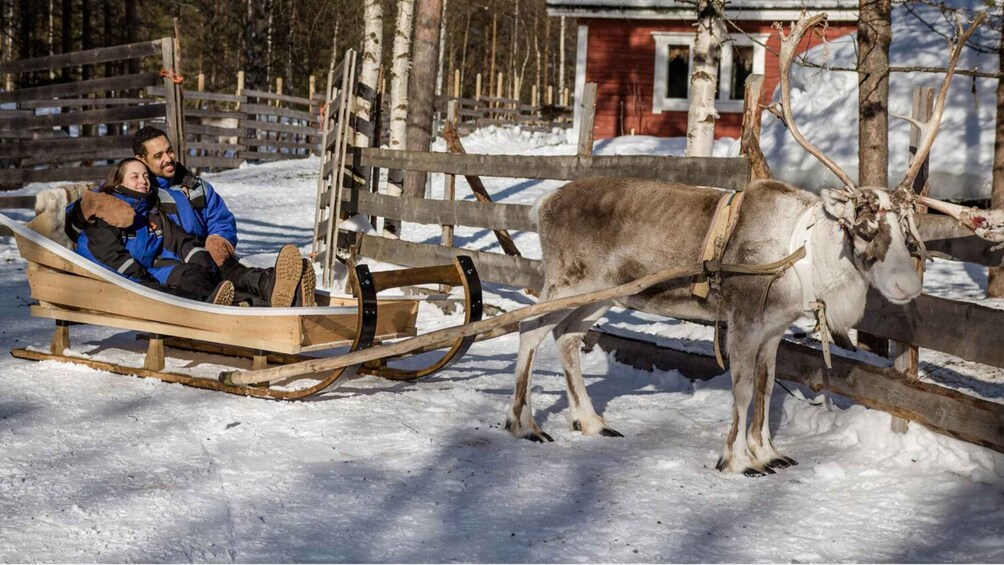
(193, 204)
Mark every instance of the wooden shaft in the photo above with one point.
(450, 335)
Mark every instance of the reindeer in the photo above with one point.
(600, 232)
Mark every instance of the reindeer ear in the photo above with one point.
(838, 203)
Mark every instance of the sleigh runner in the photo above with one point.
(72, 290)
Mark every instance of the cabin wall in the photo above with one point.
(620, 59)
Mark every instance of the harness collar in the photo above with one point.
(802, 237)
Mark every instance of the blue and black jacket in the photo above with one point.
(146, 252)
(188, 201)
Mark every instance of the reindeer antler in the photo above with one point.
(987, 224)
(929, 128)
(789, 46)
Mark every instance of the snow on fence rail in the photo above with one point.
(930, 322)
(52, 130)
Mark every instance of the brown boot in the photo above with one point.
(223, 295)
(286, 276)
(308, 284)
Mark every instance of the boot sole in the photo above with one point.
(224, 294)
(308, 284)
(288, 266)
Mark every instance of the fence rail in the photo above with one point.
(73, 130)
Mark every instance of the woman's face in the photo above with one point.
(135, 177)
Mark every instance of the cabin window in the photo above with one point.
(741, 56)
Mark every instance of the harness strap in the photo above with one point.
(723, 223)
(777, 269)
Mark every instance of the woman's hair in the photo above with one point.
(117, 174)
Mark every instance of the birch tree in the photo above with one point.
(372, 58)
(704, 77)
(401, 59)
(442, 48)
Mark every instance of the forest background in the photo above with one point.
(293, 39)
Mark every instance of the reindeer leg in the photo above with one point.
(759, 433)
(519, 420)
(743, 348)
(569, 336)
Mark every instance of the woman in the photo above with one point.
(153, 250)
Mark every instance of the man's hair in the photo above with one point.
(145, 133)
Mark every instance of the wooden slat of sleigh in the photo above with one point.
(136, 324)
(98, 296)
(69, 286)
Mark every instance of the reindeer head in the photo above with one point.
(878, 223)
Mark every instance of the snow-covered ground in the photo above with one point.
(104, 468)
(100, 467)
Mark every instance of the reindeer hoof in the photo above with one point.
(781, 462)
(535, 436)
(758, 472)
(539, 437)
(610, 433)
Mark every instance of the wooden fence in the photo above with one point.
(494, 111)
(225, 130)
(73, 130)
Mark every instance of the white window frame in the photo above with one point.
(665, 39)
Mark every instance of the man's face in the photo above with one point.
(159, 157)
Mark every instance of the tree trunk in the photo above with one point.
(561, 59)
(255, 55)
(995, 284)
(442, 49)
(491, 72)
(130, 31)
(67, 19)
(86, 35)
(421, 87)
(874, 37)
(401, 57)
(704, 78)
(372, 58)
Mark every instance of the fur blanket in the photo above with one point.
(50, 210)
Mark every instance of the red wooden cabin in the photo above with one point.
(639, 54)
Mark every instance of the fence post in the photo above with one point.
(278, 90)
(477, 87)
(174, 98)
(240, 88)
(586, 124)
(749, 145)
(201, 85)
(906, 357)
(450, 181)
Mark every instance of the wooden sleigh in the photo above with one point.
(72, 290)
